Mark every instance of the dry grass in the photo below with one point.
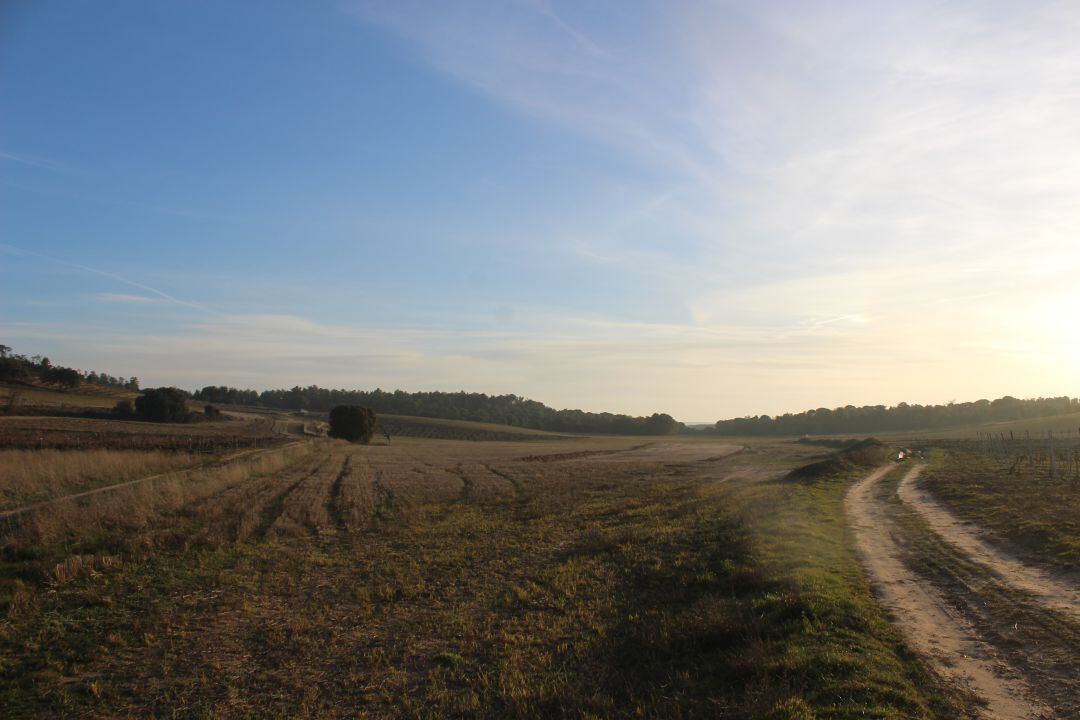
(28, 476)
(132, 518)
(87, 396)
(446, 579)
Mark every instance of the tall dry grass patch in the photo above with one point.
(31, 475)
(136, 516)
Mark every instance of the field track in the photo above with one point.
(933, 625)
(1054, 594)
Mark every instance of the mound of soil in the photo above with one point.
(870, 452)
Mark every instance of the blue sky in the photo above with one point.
(708, 209)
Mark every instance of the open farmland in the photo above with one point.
(63, 433)
(602, 577)
(19, 397)
(436, 429)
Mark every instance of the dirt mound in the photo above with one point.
(855, 455)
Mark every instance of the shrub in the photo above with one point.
(352, 422)
(162, 405)
(211, 412)
(124, 410)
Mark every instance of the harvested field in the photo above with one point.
(439, 578)
(431, 428)
(39, 433)
(47, 399)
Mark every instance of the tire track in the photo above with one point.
(467, 496)
(387, 506)
(333, 504)
(1046, 590)
(272, 509)
(230, 514)
(933, 628)
(521, 498)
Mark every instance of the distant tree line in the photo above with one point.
(503, 409)
(37, 369)
(879, 418)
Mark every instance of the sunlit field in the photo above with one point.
(434, 578)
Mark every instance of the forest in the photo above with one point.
(479, 407)
(879, 418)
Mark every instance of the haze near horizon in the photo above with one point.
(709, 210)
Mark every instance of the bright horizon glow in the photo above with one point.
(706, 209)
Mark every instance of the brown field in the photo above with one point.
(64, 433)
(435, 429)
(28, 476)
(611, 577)
(42, 398)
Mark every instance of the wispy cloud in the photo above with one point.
(127, 299)
(840, 202)
(32, 161)
(849, 176)
(158, 294)
(545, 9)
(696, 371)
(860, 129)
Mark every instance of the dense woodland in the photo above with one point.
(503, 409)
(879, 418)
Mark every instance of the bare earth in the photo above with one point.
(1048, 591)
(932, 626)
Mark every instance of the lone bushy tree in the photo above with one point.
(123, 410)
(352, 422)
(162, 405)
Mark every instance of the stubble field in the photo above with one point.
(429, 578)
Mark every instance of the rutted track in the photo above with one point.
(1052, 593)
(268, 511)
(333, 503)
(932, 625)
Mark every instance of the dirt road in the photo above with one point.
(932, 626)
(1050, 592)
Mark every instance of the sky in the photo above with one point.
(710, 209)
